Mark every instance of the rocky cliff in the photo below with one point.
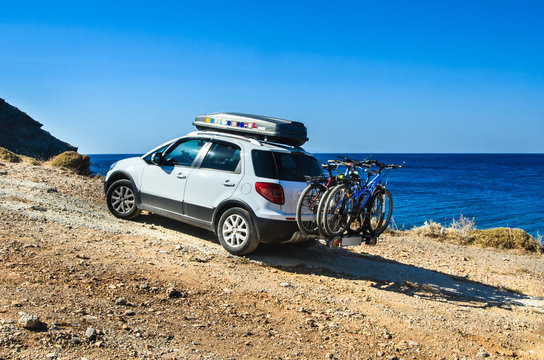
(24, 135)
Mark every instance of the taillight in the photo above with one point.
(271, 192)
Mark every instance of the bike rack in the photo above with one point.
(353, 240)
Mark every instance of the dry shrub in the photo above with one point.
(507, 238)
(463, 232)
(73, 161)
(7, 155)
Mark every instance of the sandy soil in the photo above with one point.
(155, 288)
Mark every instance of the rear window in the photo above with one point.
(284, 166)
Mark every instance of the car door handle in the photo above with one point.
(181, 176)
(228, 183)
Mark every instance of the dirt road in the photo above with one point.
(155, 288)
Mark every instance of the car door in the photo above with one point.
(214, 180)
(163, 184)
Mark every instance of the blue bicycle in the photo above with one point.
(358, 205)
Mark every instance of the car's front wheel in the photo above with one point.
(121, 200)
(236, 232)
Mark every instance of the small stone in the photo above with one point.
(75, 340)
(129, 313)
(121, 301)
(52, 190)
(329, 356)
(52, 355)
(483, 354)
(285, 284)
(392, 357)
(28, 321)
(90, 333)
(144, 286)
(381, 353)
(38, 208)
(3, 172)
(413, 343)
(173, 294)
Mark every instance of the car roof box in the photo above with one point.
(255, 126)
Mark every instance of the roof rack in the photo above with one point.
(239, 137)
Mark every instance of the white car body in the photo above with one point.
(196, 194)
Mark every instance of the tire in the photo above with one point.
(320, 213)
(236, 232)
(379, 211)
(337, 213)
(121, 200)
(307, 206)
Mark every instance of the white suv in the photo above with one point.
(242, 188)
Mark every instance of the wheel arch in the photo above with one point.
(229, 204)
(122, 175)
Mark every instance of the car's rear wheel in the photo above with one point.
(121, 200)
(236, 232)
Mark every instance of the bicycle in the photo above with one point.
(371, 203)
(311, 197)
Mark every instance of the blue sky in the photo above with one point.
(364, 76)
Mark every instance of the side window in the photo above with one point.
(147, 159)
(184, 153)
(264, 164)
(225, 157)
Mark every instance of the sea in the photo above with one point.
(494, 190)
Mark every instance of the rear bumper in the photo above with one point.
(278, 231)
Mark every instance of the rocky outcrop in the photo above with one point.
(23, 135)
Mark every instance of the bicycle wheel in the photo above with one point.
(320, 213)
(379, 211)
(307, 205)
(337, 215)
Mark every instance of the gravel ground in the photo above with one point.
(155, 288)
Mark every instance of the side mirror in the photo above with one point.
(156, 158)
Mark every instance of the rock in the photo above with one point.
(121, 301)
(38, 208)
(483, 354)
(173, 293)
(90, 333)
(52, 355)
(285, 284)
(3, 172)
(24, 135)
(52, 190)
(28, 321)
(129, 313)
(381, 353)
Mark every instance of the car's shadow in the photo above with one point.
(385, 274)
(157, 220)
(390, 275)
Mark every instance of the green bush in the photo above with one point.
(7, 155)
(73, 161)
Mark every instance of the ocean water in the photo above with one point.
(493, 189)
